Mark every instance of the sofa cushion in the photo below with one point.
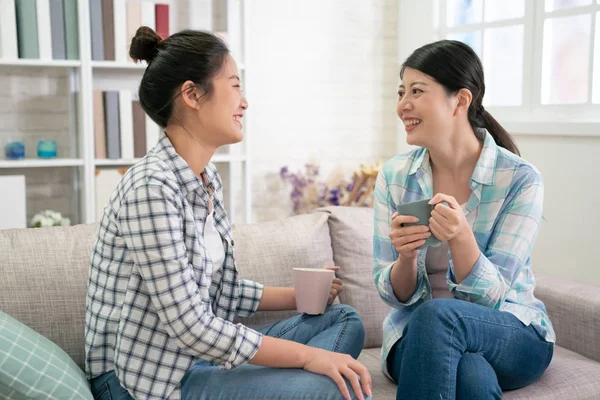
(352, 240)
(33, 367)
(574, 309)
(569, 376)
(266, 252)
(44, 285)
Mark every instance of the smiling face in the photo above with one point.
(220, 114)
(425, 108)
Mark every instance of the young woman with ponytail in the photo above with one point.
(465, 322)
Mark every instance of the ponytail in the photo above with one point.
(502, 138)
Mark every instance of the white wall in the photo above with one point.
(321, 81)
(567, 242)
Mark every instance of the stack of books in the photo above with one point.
(113, 24)
(39, 29)
(121, 128)
(48, 29)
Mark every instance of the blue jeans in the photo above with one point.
(339, 329)
(456, 349)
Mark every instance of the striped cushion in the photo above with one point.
(33, 367)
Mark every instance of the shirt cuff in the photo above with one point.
(391, 298)
(469, 284)
(250, 295)
(247, 343)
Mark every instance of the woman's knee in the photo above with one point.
(476, 379)
(351, 336)
(347, 314)
(344, 309)
(432, 312)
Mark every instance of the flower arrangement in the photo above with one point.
(49, 218)
(309, 192)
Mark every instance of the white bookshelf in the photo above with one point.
(41, 163)
(117, 65)
(84, 76)
(40, 63)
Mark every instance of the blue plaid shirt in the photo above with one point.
(504, 212)
(154, 305)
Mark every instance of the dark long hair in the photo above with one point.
(455, 66)
(187, 55)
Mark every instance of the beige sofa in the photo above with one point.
(44, 272)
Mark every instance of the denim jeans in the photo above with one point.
(456, 349)
(339, 329)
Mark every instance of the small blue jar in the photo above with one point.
(46, 148)
(14, 150)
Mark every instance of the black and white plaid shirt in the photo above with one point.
(154, 305)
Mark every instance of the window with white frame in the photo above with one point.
(540, 57)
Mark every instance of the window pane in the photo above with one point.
(552, 5)
(472, 38)
(503, 65)
(462, 12)
(496, 10)
(596, 89)
(566, 56)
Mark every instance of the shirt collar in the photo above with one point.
(486, 165)
(484, 169)
(185, 176)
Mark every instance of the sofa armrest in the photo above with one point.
(574, 310)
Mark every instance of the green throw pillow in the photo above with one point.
(33, 367)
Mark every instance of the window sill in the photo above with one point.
(549, 128)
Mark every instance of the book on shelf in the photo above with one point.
(126, 124)
(39, 29)
(139, 130)
(71, 29)
(120, 34)
(99, 125)
(112, 124)
(27, 29)
(162, 20)
(122, 130)
(13, 202)
(48, 29)
(148, 14)
(108, 29)
(113, 23)
(57, 26)
(106, 181)
(134, 21)
(96, 30)
(8, 30)
(44, 29)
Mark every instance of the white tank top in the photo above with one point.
(213, 242)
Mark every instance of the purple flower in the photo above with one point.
(333, 197)
(284, 172)
(312, 169)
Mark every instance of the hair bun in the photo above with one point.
(144, 44)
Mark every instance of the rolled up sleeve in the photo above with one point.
(384, 252)
(250, 295)
(510, 245)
